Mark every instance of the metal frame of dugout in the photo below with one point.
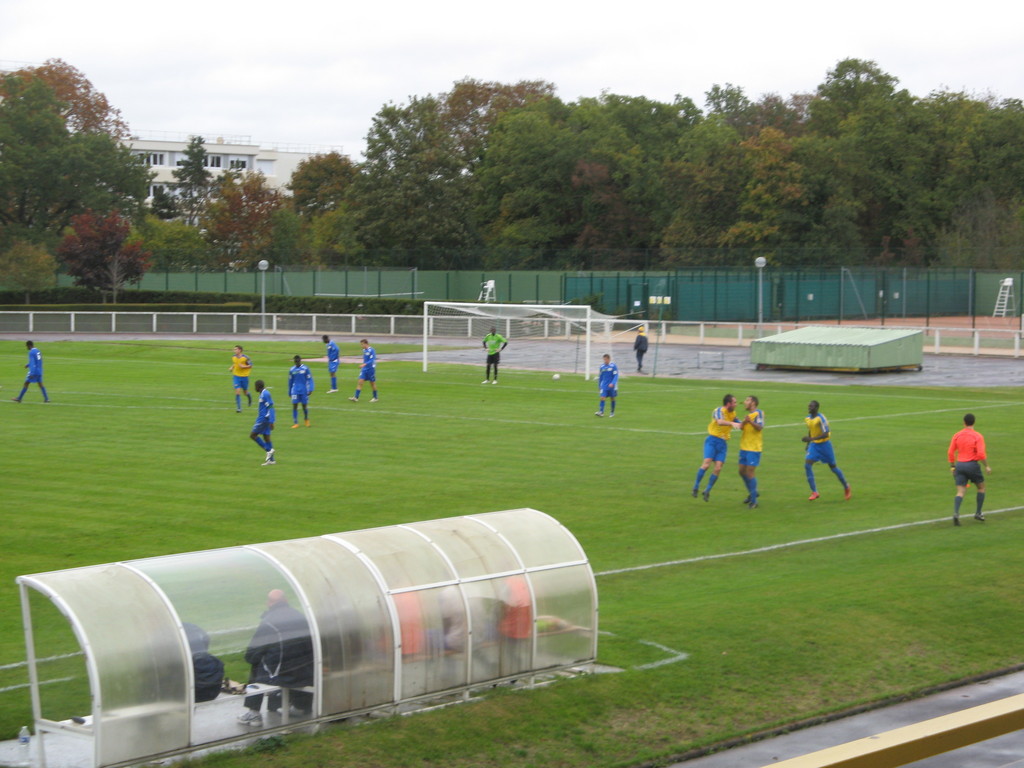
(396, 615)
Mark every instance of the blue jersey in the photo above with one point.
(369, 359)
(300, 380)
(266, 408)
(608, 376)
(35, 362)
(332, 352)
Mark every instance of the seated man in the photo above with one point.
(280, 653)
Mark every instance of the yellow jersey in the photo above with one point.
(817, 428)
(752, 439)
(241, 365)
(716, 429)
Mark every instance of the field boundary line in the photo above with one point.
(787, 544)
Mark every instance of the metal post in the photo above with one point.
(760, 262)
(263, 266)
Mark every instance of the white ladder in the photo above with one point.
(1005, 305)
(487, 292)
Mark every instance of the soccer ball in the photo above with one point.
(556, 377)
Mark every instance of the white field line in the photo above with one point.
(791, 544)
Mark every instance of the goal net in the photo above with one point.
(585, 331)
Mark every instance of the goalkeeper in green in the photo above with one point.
(494, 342)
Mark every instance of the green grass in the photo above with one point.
(141, 454)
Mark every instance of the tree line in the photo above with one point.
(509, 176)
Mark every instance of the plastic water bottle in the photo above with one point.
(24, 745)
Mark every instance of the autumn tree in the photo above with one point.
(321, 183)
(99, 255)
(239, 220)
(82, 108)
(172, 244)
(51, 173)
(27, 267)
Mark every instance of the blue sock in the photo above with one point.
(295, 415)
(261, 444)
(600, 406)
(753, 489)
(711, 483)
(46, 397)
(334, 382)
(268, 443)
(809, 469)
(357, 393)
(238, 402)
(700, 476)
(23, 391)
(613, 406)
(839, 473)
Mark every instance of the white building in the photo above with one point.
(223, 153)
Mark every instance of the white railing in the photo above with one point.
(1004, 341)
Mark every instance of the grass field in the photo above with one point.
(772, 615)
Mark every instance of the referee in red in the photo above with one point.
(966, 456)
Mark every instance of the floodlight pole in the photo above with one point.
(760, 263)
(263, 265)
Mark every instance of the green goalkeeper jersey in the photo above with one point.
(494, 343)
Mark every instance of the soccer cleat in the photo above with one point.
(611, 415)
(354, 399)
(598, 414)
(270, 462)
(813, 496)
(694, 493)
(238, 410)
(956, 519)
(295, 425)
(979, 516)
(846, 493)
(270, 454)
(16, 400)
(752, 505)
(746, 500)
(373, 399)
(707, 495)
(331, 391)
(494, 382)
(486, 381)
(307, 423)
(251, 718)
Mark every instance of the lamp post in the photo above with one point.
(263, 265)
(760, 263)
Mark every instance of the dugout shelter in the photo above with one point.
(398, 615)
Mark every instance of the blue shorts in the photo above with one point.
(262, 427)
(34, 378)
(750, 458)
(368, 374)
(609, 392)
(241, 382)
(300, 399)
(332, 366)
(821, 452)
(715, 448)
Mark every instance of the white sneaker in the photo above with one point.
(611, 415)
(373, 400)
(486, 381)
(270, 454)
(494, 382)
(251, 718)
(598, 414)
(354, 399)
(270, 462)
(329, 391)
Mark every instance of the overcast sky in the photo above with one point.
(315, 73)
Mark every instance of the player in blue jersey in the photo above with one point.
(367, 371)
(300, 386)
(333, 361)
(35, 372)
(265, 418)
(607, 385)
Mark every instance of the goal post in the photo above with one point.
(469, 320)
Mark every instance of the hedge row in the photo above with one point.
(240, 306)
(83, 299)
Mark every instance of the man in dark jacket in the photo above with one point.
(640, 347)
(280, 653)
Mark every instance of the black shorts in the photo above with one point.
(968, 471)
(493, 359)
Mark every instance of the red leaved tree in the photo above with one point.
(98, 255)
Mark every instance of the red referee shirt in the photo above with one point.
(967, 445)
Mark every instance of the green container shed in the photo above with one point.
(840, 349)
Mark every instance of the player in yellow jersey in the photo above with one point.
(751, 445)
(723, 422)
(819, 448)
(241, 367)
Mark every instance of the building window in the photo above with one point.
(212, 161)
(239, 165)
(152, 158)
